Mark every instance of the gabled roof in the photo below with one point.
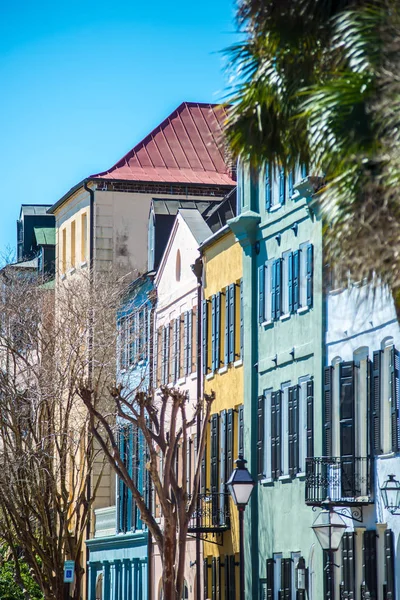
(197, 225)
(45, 236)
(187, 147)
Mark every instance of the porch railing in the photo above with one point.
(212, 516)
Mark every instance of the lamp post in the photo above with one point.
(390, 492)
(329, 528)
(240, 485)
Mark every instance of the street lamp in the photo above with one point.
(390, 491)
(240, 485)
(329, 528)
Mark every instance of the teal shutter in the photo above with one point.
(290, 281)
(190, 314)
(214, 465)
(227, 294)
(282, 185)
(290, 183)
(303, 170)
(278, 287)
(309, 275)
(218, 330)
(276, 425)
(296, 279)
(241, 318)
(232, 294)
(376, 402)
(273, 292)
(175, 357)
(204, 318)
(394, 384)
(261, 303)
(268, 189)
(167, 351)
(213, 333)
(260, 437)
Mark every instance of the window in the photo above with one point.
(84, 237)
(132, 450)
(221, 455)
(277, 575)
(73, 244)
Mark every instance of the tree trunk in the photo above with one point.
(168, 560)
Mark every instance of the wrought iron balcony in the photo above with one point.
(347, 481)
(212, 516)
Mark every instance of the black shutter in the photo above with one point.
(376, 402)
(347, 429)
(276, 434)
(232, 578)
(232, 324)
(203, 474)
(270, 579)
(204, 316)
(218, 578)
(226, 353)
(309, 275)
(214, 466)
(296, 278)
(310, 418)
(348, 563)
(226, 595)
(293, 406)
(389, 586)
(241, 431)
(328, 372)
(223, 475)
(370, 564)
(286, 579)
(229, 442)
(394, 384)
(205, 578)
(214, 579)
(260, 437)
(261, 303)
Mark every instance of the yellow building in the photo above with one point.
(223, 374)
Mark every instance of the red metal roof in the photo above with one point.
(187, 147)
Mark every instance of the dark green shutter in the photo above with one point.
(290, 281)
(203, 474)
(282, 184)
(310, 418)
(232, 294)
(260, 437)
(270, 579)
(213, 333)
(276, 434)
(347, 429)
(296, 279)
(232, 578)
(328, 372)
(223, 475)
(348, 566)
(376, 402)
(226, 595)
(278, 287)
(268, 190)
(205, 578)
(261, 301)
(226, 350)
(286, 579)
(370, 563)
(394, 412)
(389, 586)
(241, 431)
(309, 275)
(293, 430)
(218, 578)
(273, 291)
(217, 348)
(229, 442)
(204, 317)
(214, 579)
(214, 466)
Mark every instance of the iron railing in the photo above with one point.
(212, 515)
(343, 480)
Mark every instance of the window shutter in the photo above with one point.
(174, 362)
(120, 486)
(278, 284)
(205, 578)
(347, 428)
(286, 579)
(229, 442)
(328, 371)
(270, 579)
(376, 402)
(189, 341)
(290, 182)
(214, 579)
(218, 578)
(185, 342)
(389, 586)
(310, 418)
(223, 477)
(227, 315)
(134, 469)
(276, 426)
(303, 170)
(370, 564)
(290, 281)
(273, 292)
(268, 190)
(204, 318)
(293, 407)
(193, 340)
(241, 318)
(241, 431)
(227, 591)
(296, 277)
(282, 183)
(232, 310)
(261, 302)
(232, 579)
(214, 465)
(203, 474)
(218, 330)
(260, 437)
(348, 565)
(167, 351)
(213, 332)
(394, 384)
(309, 275)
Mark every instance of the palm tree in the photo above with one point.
(317, 82)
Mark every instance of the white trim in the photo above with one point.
(83, 264)
(285, 478)
(267, 323)
(238, 363)
(181, 381)
(284, 317)
(302, 309)
(223, 370)
(209, 376)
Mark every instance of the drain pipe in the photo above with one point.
(197, 269)
(90, 350)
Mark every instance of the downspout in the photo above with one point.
(91, 264)
(198, 271)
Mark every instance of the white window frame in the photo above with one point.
(285, 429)
(277, 556)
(295, 559)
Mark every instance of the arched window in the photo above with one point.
(178, 266)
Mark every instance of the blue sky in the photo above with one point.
(83, 81)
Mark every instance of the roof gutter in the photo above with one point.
(214, 237)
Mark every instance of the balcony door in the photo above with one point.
(347, 429)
